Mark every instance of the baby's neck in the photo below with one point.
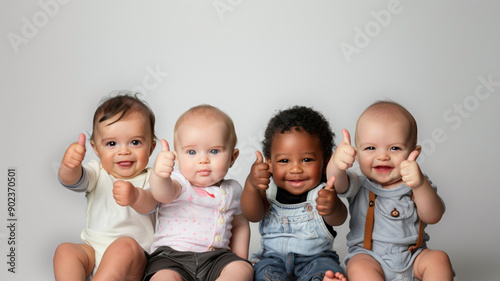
(391, 185)
(286, 197)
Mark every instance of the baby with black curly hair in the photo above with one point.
(297, 209)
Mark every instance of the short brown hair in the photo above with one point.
(123, 103)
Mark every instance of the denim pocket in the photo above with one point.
(396, 217)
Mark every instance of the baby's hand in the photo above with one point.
(327, 198)
(124, 193)
(75, 153)
(410, 171)
(344, 156)
(259, 173)
(165, 161)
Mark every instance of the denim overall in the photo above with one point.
(296, 243)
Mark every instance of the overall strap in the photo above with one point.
(420, 239)
(370, 218)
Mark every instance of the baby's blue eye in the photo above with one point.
(214, 151)
(370, 148)
(191, 152)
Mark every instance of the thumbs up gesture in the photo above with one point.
(165, 161)
(326, 200)
(344, 156)
(259, 173)
(410, 171)
(74, 155)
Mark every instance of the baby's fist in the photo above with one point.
(124, 193)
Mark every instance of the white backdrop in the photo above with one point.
(440, 59)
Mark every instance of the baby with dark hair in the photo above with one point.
(119, 219)
(300, 118)
(296, 209)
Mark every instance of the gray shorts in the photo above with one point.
(191, 266)
(396, 261)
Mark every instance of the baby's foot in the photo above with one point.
(337, 276)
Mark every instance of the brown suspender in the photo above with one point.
(370, 218)
(420, 239)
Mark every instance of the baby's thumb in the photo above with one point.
(82, 139)
(330, 182)
(346, 136)
(164, 145)
(260, 158)
(413, 155)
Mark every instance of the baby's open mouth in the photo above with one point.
(296, 182)
(383, 169)
(125, 163)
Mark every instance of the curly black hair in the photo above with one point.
(301, 118)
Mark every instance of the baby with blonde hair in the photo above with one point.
(202, 233)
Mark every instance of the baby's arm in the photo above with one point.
(125, 194)
(163, 188)
(343, 158)
(240, 238)
(329, 205)
(253, 199)
(430, 208)
(70, 170)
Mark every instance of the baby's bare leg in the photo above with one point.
(166, 275)
(433, 265)
(364, 267)
(124, 259)
(237, 270)
(73, 262)
(331, 276)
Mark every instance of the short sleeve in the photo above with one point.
(355, 182)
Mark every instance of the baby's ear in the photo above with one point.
(418, 148)
(153, 145)
(325, 166)
(234, 156)
(94, 148)
(268, 161)
(415, 153)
